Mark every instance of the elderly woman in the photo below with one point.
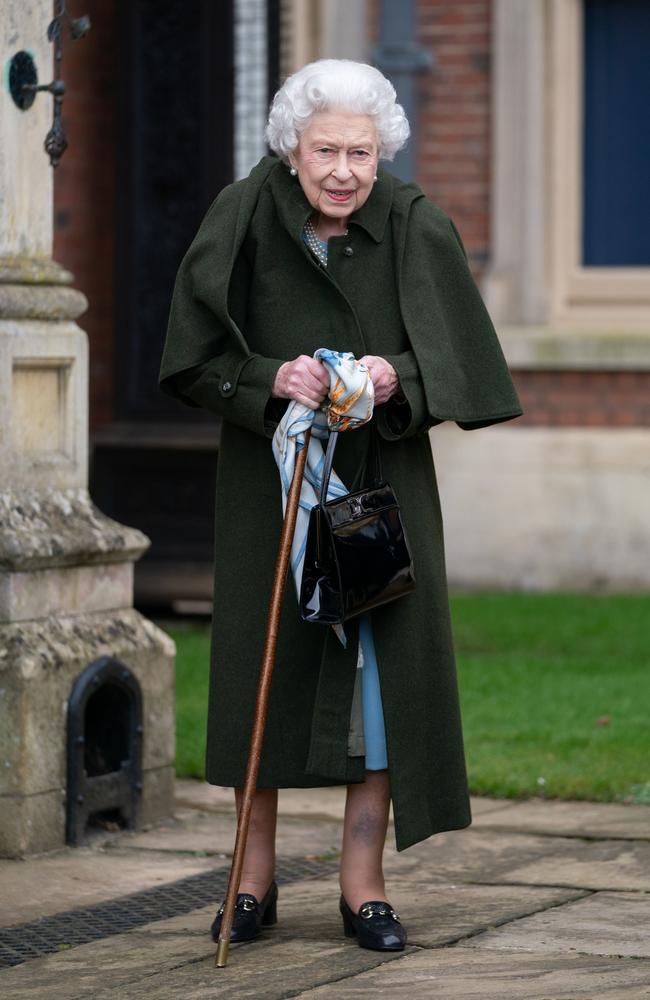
(320, 247)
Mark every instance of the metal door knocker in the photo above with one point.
(23, 79)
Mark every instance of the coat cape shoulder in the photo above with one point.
(464, 373)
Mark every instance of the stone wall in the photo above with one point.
(545, 508)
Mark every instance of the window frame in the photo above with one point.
(599, 296)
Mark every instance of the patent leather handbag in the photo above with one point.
(357, 555)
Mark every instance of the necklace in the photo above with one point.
(317, 246)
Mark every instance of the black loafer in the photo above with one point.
(376, 925)
(250, 916)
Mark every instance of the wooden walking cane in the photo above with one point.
(262, 702)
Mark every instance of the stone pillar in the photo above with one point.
(515, 285)
(66, 570)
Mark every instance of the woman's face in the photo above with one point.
(336, 160)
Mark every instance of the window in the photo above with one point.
(599, 267)
(616, 147)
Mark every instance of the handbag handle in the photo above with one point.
(329, 459)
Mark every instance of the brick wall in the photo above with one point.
(453, 123)
(453, 165)
(584, 399)
(84, 189)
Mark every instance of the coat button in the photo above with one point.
(348, 251)
(227, 386)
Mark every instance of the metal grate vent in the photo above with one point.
(61, 931)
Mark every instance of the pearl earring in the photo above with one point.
(375, 177)
(293, 171)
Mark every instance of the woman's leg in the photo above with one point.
(364, 834)
(259, 859)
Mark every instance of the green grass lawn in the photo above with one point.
(555, 693)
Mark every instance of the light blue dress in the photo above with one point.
(374, 733)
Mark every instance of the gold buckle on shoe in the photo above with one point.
(241, 904)
(368, 910)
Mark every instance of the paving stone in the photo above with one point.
(459, 974)
(278, 969)
(329, 802)
(600, 820)
(602, 864)
(81, 877)
(506, 896)
(113, 963)
(468, 855)
(126, 967)
(440, 914)
(309, 923)
(481, 805)
(433, 915)
(475, 855)
(176, 959)
(214, 834)
(325, 802)
(606, 923)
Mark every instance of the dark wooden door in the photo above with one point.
(175, 155)
(155, 466)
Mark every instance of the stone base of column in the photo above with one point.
(66, 595)
(39, 663)
(34, 824)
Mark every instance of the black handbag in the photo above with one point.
(357, 555)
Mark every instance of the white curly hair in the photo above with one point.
(336, 83)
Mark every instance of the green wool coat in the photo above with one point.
(248, 297)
